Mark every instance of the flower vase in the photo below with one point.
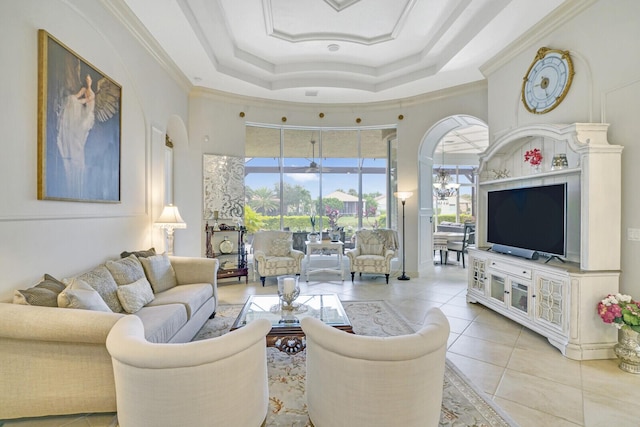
(535, 168)
(628, 350)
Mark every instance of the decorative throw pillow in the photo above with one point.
(126, 270)
(159, 272)
(44, 293)
(279, 247)
(82, 296)
(139, 254)
(102, 281)
(136, 295)
(372, 249)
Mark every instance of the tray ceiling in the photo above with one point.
(335, 51)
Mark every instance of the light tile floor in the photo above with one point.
(527, 377)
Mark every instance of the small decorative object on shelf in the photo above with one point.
(534, 158)
(559, 162)
(226, 247)
(624, 313)
(500, 173)
(288, 291)
(215, 221)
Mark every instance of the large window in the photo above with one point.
(341, 176)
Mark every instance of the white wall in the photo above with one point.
(606, 88)
(217, 116)
(65, 238)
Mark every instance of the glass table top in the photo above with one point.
(326, 307)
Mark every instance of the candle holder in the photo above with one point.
(288, 291)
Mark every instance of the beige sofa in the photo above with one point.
(55, 361)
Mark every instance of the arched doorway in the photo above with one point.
(460, 127)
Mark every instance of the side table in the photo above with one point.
(322, 246)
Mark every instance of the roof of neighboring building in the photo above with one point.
(343, 197)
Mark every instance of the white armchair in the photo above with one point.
(373, 252)
(368, 381)
(215, 382)
(273, 254)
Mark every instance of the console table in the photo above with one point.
(325, 246)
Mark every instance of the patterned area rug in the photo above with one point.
(462, 404)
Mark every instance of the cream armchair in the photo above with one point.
(373, 252)
(214, 382)
(355, 380)
(273, 254)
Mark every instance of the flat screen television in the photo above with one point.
(533, 218)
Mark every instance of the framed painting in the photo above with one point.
(223, 186)
(79, 127)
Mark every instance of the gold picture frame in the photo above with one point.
(79, 127)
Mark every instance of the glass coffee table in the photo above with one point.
(286, 334)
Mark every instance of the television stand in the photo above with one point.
(556, 301)
(550, 257)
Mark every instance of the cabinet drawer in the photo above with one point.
(514, 270)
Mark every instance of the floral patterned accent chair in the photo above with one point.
(273, 254)
(373, 252)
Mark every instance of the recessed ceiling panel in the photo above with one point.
(345, 50)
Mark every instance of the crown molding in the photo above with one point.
(549, 24)
(201, 92)
(126, 17)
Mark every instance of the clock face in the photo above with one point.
(547, 81)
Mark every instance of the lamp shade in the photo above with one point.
(403, 195)
(170, 218)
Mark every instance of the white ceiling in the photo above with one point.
(387, 49)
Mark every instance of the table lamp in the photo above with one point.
(170, 219)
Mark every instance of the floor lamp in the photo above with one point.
(170, 219)
(403, 195)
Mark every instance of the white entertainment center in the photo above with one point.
(553, 298)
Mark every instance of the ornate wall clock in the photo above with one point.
(547, 81)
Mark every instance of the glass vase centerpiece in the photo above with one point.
(288, 291)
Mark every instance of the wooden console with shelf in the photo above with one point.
(555, 299)
(231, 254)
